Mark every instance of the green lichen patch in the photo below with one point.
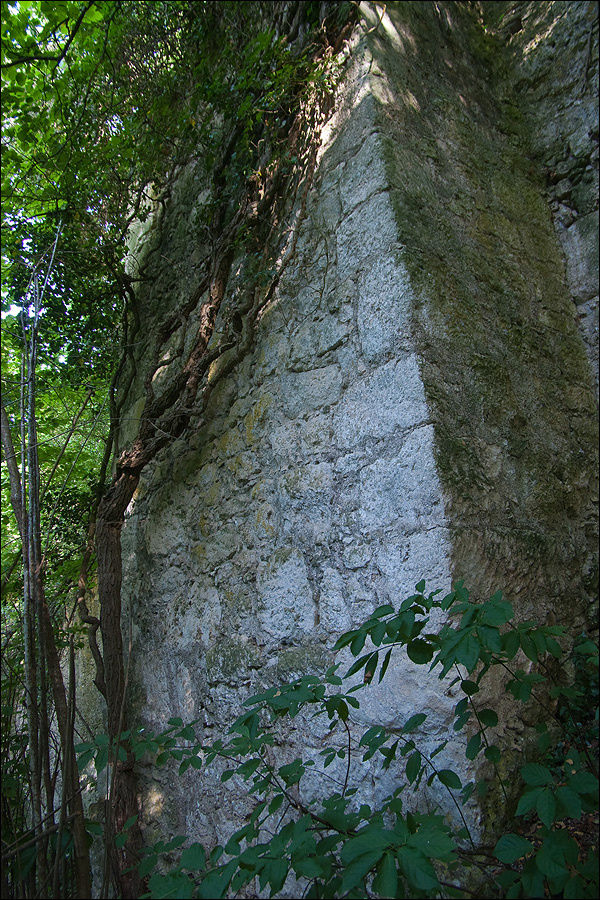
(229, 660)
(256, 417)
(305, 659)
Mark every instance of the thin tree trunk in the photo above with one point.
(82, 860)
(35, 567)
(27, 513)
(29, 630)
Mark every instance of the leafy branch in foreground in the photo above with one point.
(334, 846)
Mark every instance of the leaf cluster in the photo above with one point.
(336, 846)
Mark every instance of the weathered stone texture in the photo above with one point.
(417, 403)
(505, 373)
(555, 59)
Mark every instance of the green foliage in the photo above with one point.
(102, 103)
(340, 848)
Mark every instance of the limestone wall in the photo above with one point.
(503, 364)
(417, 402)
(554, 49)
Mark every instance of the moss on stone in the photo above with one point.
(501, 359)
(227, 660)
(302, 660)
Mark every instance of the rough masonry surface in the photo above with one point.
(417, 402)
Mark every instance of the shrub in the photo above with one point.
(337, 847)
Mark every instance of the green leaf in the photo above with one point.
(511, 643)
(469, 687)
(551, 864)
(188, 734)
(536, 775)
(309, 867)
(370, 838)
(84, 759)
(532, 880)
(385, 882)
(493, 754)
(496, 611)
(462, 720)
(414, 722)
(507, 878)
(450, 779)
(546, 807)
(171, 886)
(528, 801)
(358, 664)
(358, 643)
(583, 783)
(378, 633)
(413, 766)
(433, 840)
(488, 717)
(528, 647)
(356, 871)
(79, 748)
(438, 749)
(490, 637)
(569, 801)
(385, 664)
(544, 741)
(147, 864)
(511, 847)
(246, 769)
(467, 652)
(384, 610)
(274, 873)
(474, 746)
(175, 842)
(520, 689)
(448, 600)
(342, 641)
(369, 672)
(276, 802)
(193, 858)
(417, 869)
(420, 651)
(101, 760)
(575, 888)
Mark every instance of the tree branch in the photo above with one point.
(42, 57)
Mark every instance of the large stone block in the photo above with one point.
(390, 398)
(286, 605)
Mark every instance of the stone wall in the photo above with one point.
(554, 50)
(417, 402)
(504, 367)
